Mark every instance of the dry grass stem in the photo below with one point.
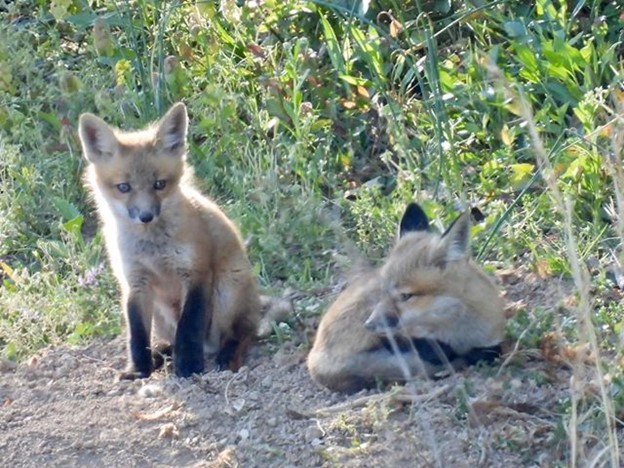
(580, 275)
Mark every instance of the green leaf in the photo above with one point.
(50, 118)
(562, 93)
(333, 48)
(60, 8)
(10, 350)
(6, 268)
(442, 6)
(74, 225)
(275, 108)
(528, 60)
(53, 248)
(515, 29)
(354, 80)
(67, 209)
(369, 47)
(84, 19)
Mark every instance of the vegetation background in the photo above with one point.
(313, 124)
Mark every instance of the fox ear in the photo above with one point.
(456, 239)
(414, 219)
(97, 138)
(172, 130)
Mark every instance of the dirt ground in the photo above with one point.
(65, 407)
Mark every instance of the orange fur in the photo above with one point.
(427, 288)
(176, 255)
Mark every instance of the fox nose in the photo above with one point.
(386, 322)
(146, 217)
(391, 321)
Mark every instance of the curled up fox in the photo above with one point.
(185, 278)
(427, 309)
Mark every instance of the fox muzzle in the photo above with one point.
(381, 320)
(144, 216)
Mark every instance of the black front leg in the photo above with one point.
(434, 352)
(140, 357)
(227, 354)
(487, 355)
(188, 349)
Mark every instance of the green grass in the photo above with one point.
(313, 124)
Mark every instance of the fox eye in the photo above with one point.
(403, 297)
(124, 187)
(160, 184)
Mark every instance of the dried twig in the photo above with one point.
(403, 395)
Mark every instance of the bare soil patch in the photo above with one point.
(65, 407)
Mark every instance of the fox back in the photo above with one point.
(180, 262)
(427, 308)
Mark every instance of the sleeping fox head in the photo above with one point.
(431, 288)
(134, 173)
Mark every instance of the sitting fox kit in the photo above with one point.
(182, 267)
(428, 308)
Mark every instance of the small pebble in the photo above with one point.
(67, 361)
(243, 434)
(168, 431)
(149, 391)
(238, 404)
(313, 432)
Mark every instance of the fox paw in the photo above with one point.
(225, 362)
(161, 354)
(133, 375)
(230, 356)
(187, 367)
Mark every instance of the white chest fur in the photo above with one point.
(154, 251)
